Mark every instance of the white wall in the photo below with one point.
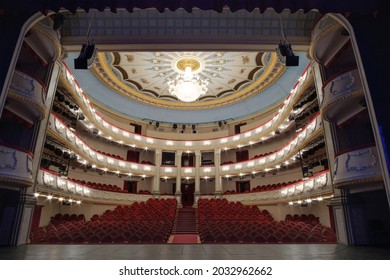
(145, 185)
(207, 186)
(167, 186)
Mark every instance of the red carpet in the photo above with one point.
(185, 239)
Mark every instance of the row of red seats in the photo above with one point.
(225, 232)
(217, 224)
(111, 227)
(308, 219)
(111, 155)
(269, 187)
(99, 186)
(144, 192)
(62, 218)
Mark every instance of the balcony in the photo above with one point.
(342, 96)
(353, 168)
(15, 166)
(27, 95)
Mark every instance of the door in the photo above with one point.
(187, 194)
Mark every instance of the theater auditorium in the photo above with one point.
(194, 130)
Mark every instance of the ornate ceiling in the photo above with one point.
(140, 52)
(144, 76)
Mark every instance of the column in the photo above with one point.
(178, 176)
(156, 179)
(218, 179)
(42, 131)
(198, 158)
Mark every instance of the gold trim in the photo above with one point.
(14, 181)
(327, 106)
(118, 86)
(39, 106)
(321, 35)
(348, 183)
(185, 62)
(40, 28)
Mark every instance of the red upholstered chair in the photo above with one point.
(259, 238)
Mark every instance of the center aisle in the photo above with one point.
(185, 228)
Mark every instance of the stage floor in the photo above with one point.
(194, 252)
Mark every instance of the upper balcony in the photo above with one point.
(44, 41)
(328, 37)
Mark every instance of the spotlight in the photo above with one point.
(86, 57)
(157, 124)
(286, 55)
(174, 125)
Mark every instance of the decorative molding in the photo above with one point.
(357, 167)
(340, 92)
(103, 71)
(8, 158)
(360, 160)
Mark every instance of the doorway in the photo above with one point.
(187, 194)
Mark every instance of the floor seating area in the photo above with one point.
(142, 222)
(221, 221)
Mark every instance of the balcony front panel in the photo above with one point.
(60, 131)
(53, 184)
(313, 187)
(357, 167)
(342, 95)
(15, 166)
(28, 95)
(328, 38)
(274, 160)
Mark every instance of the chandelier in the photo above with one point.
(187, 86)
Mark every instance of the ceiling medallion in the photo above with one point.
(188, 86)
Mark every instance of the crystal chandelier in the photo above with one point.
(188, 87)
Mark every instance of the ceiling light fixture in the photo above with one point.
(188, 86)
